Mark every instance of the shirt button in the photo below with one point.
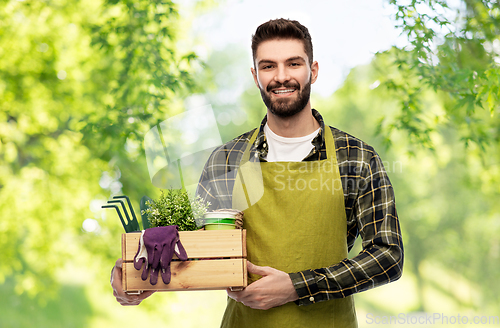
(311, 299)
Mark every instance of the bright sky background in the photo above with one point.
(345, 33)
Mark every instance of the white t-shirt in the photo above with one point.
(283, 149)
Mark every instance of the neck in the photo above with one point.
(298, 125)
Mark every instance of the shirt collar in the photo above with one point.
(260, 147)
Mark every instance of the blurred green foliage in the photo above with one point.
(445, 96)
(442, 92)
(80, 84)
(55, 313)
(455, 51)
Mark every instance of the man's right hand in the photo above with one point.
(122, 297)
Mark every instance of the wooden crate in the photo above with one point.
(216, 260)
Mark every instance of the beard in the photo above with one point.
(286, 107)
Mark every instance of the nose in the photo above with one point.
(281, 74)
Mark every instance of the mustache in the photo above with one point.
(287, 84)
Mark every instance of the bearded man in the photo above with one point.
(307, 191)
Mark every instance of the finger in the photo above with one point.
(115, 273)
(255, 269)
(127, 300)
(116, 280)
(131, 304)
(119, 263)
(121, 296)
(234, 295)
(124, 299)
(116, 269)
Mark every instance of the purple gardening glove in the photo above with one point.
(156, 250)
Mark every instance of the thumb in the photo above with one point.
(119, 263)
(255, 269)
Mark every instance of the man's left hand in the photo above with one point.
(275, 288)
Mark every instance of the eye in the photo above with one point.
(267, 67)
(294, 64)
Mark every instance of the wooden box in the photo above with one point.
(216, 260)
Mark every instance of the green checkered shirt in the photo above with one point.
(369, 204)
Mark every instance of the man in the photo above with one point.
(317, 188)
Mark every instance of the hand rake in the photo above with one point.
(131, 224)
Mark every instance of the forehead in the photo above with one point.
(278, 50)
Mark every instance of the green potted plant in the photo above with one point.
(174, 207)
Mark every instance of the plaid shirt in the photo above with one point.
(369, 204)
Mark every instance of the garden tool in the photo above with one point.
(131, 224)
(157, 247)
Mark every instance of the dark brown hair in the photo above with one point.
(282, 29)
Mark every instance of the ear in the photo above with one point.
(254, 74)
(314, 71)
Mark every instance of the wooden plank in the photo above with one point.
(245, 273)
(192, 275)
(198, 244)
(244, 243)
(124, 276)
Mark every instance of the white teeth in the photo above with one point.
(284, 91)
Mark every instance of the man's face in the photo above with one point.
(283, 75)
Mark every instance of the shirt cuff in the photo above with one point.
(306, 287)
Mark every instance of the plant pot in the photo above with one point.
(220, 226)
(220, 220)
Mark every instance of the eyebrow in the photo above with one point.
(267, 61)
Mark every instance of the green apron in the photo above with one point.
(297, 223)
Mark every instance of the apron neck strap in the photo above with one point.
(329, 143)
(246, 154)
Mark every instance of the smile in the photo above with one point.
(282, 92)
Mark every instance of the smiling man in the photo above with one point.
(318, 189)
(322, 189)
